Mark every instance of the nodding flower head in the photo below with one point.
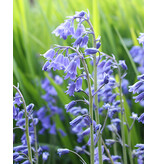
(141, 118)
(70, 105)
(89, 51)
(71, 89)
(123, 64)
(17, 99)
(141, 39)
(49, 55)
(62, 151)
(76, 121)
(45, 156)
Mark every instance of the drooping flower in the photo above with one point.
(89, 51)
(76, 121)
(71, 89)
(141, 118)
(141, 39)
(49, 55)
(70, 105)
(62, 151)
(123, 64)
(45, 156)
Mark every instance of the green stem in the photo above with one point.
(36, 146)
(96, 95)
(26, 125)
(91, 113)
(115, 145)
(122, 120)
(130, 149)
(90, 101)
(107, 151)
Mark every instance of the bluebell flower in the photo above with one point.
(139, 153)
(115, 120)
(139, 97)
(78, 42)
(141, 118)
(71, 89)
(45, 156)
(116, 103)
(49, 55)
(112, 128)
(76, 121)
(80, 14)
(98, 44)
(97, 127)
(63, 30)
(66, 62)
(41, 113)
(46, 66)
(58, 63)
(123, 64)
(106, 106)
(75, 110)
(30, 107)
(86, 132)
(109, 142)
(19, 148)
(137, 54)
(20, 115)
(95, 140)
(19, 158)
(15, 112)
(141, 39)
(84, 111)
(87, 120)
(115, 157)
(53, 129)
(46, 122)
(84, 41)
(96, 154)
(79, 84)
(62, 151)
(71, 70)
(134, 116)
(89, 51)
(124, 86)
(112, 111)
(58, 80)
(17, 99)
(15, 155)
(79, 31)
(26, 162)
(70, 105)
(20, 122)
(135, 88)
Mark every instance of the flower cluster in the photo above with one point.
(104, 90)
(138, 88)
(25, 121)
(46, 113)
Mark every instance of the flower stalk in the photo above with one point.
(122, 119)
(26, 125)
(96, 95)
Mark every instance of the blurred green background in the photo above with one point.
(118, 22)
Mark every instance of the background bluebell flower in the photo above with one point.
(62, 151)
(45, 156)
